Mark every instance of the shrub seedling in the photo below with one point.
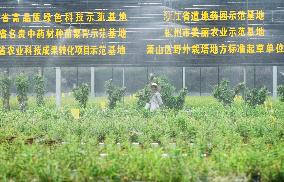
(114, 93)
(39, 90)
(22, 86)
(81, 94)
(5, 90)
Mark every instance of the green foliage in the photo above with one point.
(5, 90)
(22, 86)
(143, 96)
(39, 89)
(81, 94)
(280, 91)
(252, 97)
(176, 102)
(224, 94)
(256, 96)
(167, 90)
(240, 89)
(167, 93)
(203, 145)
(115, 94)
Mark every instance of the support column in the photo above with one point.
(112, 73)
(200, 75)
(183, 77)
(7, 71)
(77, 76)
(92, 81)
(40, 71)
(254, 77)
(123, 77)
(147, 75)
(245, 75)
(58, 86)
(218, 75)
(275, 72)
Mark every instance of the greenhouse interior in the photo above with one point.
(142, 90)
(198, 80)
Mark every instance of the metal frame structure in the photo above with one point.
(140, 60)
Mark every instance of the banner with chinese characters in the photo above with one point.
(141, 32)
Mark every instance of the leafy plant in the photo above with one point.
(256, 96)
(39, 90)
(167, 92)
(252, 97)
(81, 94)
(5, 90)
(280, 91)
(224, 94)
(114, 93)
(176, 102)
(202, 145)
(22, 86)
(143, 96)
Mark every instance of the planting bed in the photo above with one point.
(203, 142)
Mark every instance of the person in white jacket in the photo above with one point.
(156, 100)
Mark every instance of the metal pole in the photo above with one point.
(77, 77)
(245, 75)
(112, 73)
(147, 76)
(275, 72)
(123, 77)
(123, 81)
(200, 81)
(183, 77)
(40, 71)
(218, 75)
(58, 86)
(7, 71)
(254, 77)
(92, 81)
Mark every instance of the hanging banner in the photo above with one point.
(141, 32)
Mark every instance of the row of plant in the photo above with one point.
(81, 92)
(252, 97)
(115, 94)
(222, 92)
(213, 143)
(22, 86)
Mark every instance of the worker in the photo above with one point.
(156, 100)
